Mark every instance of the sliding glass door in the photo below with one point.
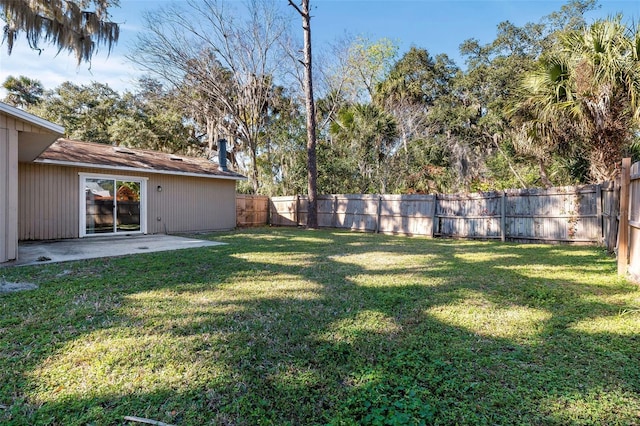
(100, 206)
(112, 205)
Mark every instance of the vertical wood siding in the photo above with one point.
(49, 202)
(4, 201)
(190, 204)
(557, 214)
(610, 193)
(9, 187)
(469, 215)
(11, 123)
(8, 194)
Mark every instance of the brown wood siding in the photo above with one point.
(190, 204)
(11, 123)
(5, 181)
(48, 202)
(9, 128)
(49, 205)
(8, 194)
(15, 136)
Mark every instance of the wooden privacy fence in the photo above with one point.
(565, 214)
(252, 210)
(400, 214)
(629, 236)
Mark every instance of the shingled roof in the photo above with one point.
(68, 152)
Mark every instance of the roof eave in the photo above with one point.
(136, 169)
(30, 118)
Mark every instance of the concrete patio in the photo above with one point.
(38, 252)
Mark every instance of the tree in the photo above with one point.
(492, 79)
(64, 23)
(223, 65)
(368, 64)
(95, 112)
(409, 93)
(312, 189)
(22, 91)
(85, 111)
(358, 66)
(283, 162)
(368, 132)
(593, 82)
(473, 116)
(154, 120)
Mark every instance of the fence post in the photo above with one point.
(623, 227)
(503, 219)
(613, 207)
(268, 211)
(378, 214)
(599, 212)
(238, 210)
(435, 222)
(297, 213)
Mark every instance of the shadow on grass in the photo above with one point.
(299, 327)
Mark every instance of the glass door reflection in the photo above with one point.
(100, 206)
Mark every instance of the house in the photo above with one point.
(54, 188)
(22, 138)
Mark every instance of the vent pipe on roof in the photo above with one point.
(222, 154)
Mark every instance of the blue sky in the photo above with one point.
(437, 25)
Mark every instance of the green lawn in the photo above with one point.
(285, 326)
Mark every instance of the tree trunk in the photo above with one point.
(312, 170)
(544, 178)
(254, 169)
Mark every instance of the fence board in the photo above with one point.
(557, 214)
(282, 211)
(624, 229)
(610, 209)
(634, 222)
(407, 214)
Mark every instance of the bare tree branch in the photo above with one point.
(225, 67)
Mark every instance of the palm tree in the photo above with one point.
(64, 23)
(542, 122)
(368, 132)
(22, 91)
(587, 93)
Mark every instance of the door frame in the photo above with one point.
(83, 176)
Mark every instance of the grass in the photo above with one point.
(284, 326)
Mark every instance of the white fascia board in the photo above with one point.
(30, 118)
(135, 169)
(110, 176)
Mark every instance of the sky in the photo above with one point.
(439, 26)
